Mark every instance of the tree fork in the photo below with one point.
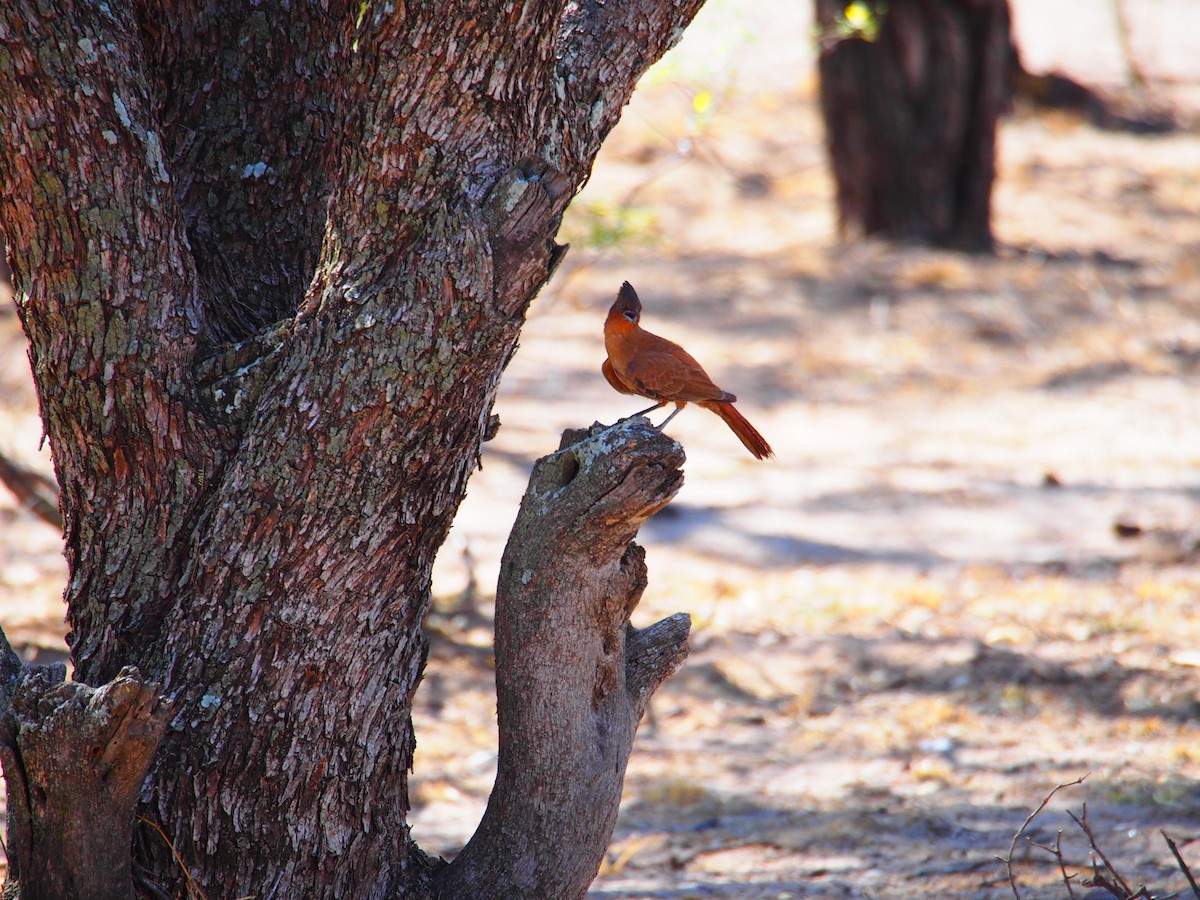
(572, 675)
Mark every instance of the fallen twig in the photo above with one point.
(35, 493)
(193, 889)
(1121, 889)
(1183, 867)
(1056, 852)
(1012, 847)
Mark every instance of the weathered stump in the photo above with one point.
(573, 676)
(74, 760)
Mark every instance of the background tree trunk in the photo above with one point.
(910, 116)
(272, 262)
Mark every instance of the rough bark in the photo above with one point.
(910, 118)
(107, 292)
(363, 199)
(74, 760)
(572, 675)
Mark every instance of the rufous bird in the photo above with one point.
(646, 365)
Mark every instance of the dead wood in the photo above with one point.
(74, 760)
(35, 493)
(573, 676)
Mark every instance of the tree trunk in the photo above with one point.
(272, 261)
(910, 116)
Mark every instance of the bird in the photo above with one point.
(646, 365)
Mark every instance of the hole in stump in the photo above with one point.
(568, 468)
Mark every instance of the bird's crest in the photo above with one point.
(628, 297)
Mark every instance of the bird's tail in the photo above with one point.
(747, 434)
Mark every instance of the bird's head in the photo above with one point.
(627, 305)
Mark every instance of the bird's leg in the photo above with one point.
(642, 412)
(678, 409)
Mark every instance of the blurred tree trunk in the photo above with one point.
(910, 105)
(272, 261)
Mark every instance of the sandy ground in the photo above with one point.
(919, 618)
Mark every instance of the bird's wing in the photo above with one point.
(670, 373)
(612, 378)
